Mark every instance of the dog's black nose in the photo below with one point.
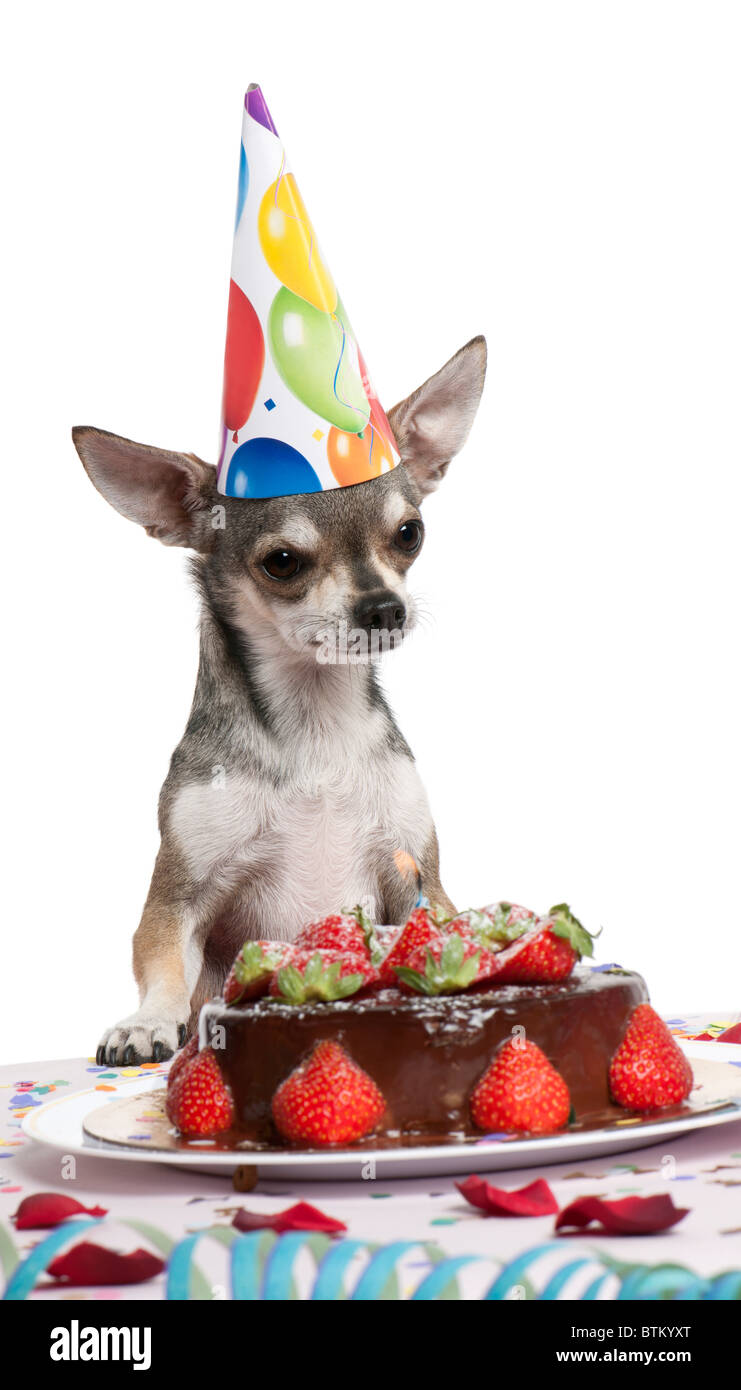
(380, 612)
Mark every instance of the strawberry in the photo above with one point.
(472, 925)
(182, 1058)
(328, 1099)
(447, 965)
(649, 1069)
(508, 920)
(314, 974)
(540, 957)
(347, 933)
(543, 952)
(436, 955)
(420, 931)
(253, 970)
(198, 1099)
(521, 1090)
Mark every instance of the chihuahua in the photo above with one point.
(292, 789)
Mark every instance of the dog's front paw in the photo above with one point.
(140, 1039)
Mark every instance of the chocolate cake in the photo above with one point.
(425, 1054)
(441, 1031)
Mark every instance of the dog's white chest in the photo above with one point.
(323, 851)
(286, 855)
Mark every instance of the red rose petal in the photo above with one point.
(534, 1200)
(300, 1217)
(732, 1034)
(629, 1216)
(87, 1263)
(44, 1209)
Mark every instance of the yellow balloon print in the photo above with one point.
(290, 247)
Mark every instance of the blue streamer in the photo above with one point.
(279, 1266)
(329, 1285)
(726, 1285)
(697, 1292)
(560, 1278)
(434, 1283)
(249, 1284)
(590, 1294)
(374, 1278)
(660, 1281)
(178, 1268)
(246, 1267)
(512, 1273)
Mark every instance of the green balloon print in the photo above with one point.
(312, 354)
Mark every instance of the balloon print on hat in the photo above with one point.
(377, 412)
(269, 468)
(290, 247)
(244, 359)
(314, 355)
(356, 458)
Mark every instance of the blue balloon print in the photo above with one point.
(243, 185)
(269, 468)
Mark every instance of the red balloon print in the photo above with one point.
(377, 412)
(244, 359)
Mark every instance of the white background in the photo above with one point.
(562, 177)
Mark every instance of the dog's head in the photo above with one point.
(324, 573)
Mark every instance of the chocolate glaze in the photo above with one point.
(425, 1054)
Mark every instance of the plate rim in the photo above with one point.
(223, 1158)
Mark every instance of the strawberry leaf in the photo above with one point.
(253, 962)
(317, 982)
(479, 922)
(566, 925)
(449, 975)
(349, 984)
(451, 956)
(375, 949)
(291, 985)
(499, 928)
(467, 973)
(313, 970)
(417, 982)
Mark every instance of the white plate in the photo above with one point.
(59, 1123)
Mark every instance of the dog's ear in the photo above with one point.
(168, 494)
(433, 423)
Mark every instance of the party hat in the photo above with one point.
(299, 413)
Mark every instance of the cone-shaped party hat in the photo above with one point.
(299, 413)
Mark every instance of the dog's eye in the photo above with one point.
(409, 537)
(281, 564)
